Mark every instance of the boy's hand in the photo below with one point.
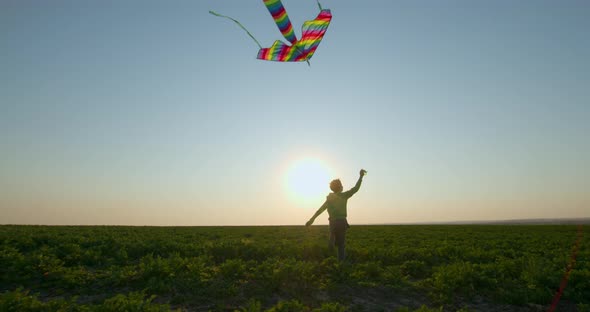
(363, 172)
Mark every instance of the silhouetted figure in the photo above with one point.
(336, 205)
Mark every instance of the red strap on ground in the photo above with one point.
(568, 270)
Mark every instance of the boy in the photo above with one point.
(336, 205)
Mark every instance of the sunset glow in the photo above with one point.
(307, 182)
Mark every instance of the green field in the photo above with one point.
(389, 268)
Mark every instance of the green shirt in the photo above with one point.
(336, 203)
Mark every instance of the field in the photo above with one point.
(388, 268)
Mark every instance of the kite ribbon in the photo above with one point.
(279, 14)
(239, 24)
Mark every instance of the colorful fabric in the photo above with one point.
(279, 14)
(312, 33)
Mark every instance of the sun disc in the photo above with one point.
(307, 181)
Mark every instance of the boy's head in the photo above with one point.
(336, 186)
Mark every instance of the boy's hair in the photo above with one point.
(336, 186)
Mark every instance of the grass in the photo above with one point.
(389, 268)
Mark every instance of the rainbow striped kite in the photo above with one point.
(312, 33)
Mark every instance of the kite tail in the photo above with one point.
(279, 14)
(239, 24)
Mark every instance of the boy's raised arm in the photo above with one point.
(357, 186)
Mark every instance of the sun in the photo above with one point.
(307, 181)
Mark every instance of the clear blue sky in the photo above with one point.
(156, 112)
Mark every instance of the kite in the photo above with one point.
(312, 33)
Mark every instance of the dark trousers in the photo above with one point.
(338, 236)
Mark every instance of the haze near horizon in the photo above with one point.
(157, 113)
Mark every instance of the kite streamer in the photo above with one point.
(239, 24)
(279, 14)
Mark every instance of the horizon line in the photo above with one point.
(526, 221)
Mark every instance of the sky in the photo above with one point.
(158, 113)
